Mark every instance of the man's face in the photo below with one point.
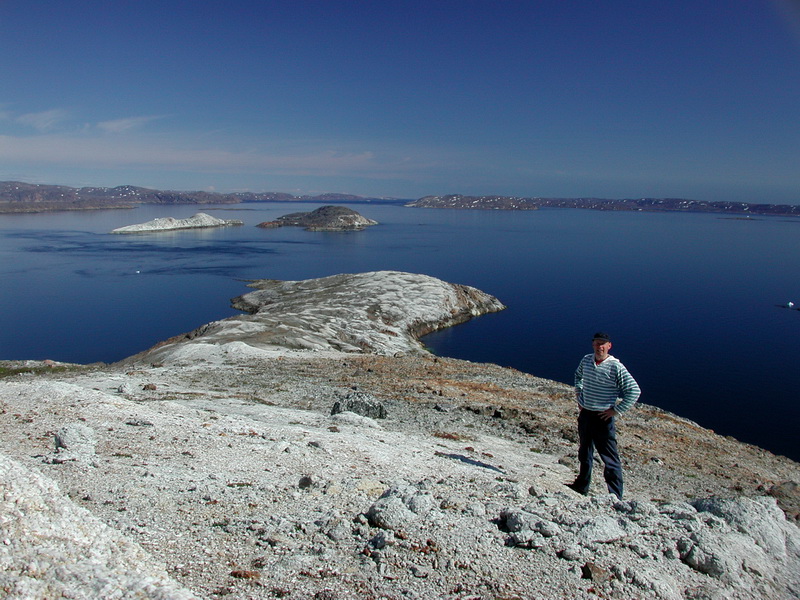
(601, 349)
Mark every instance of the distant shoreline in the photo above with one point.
(742, 209)
(23, 198)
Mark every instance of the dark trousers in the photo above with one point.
(594, 433)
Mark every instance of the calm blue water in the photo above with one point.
(690, 300)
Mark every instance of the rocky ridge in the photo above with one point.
(246, 470)
(198, 221)
(383, 312)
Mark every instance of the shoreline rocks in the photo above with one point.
(198, 221)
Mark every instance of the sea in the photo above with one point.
(696, 304)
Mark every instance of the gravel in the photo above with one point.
(229, 477)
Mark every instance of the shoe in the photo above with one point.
(575, 488)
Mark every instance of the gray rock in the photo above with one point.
(382, 539)
(572, 552)
(421, 503)
(126, 388)
(76, 438)
(678, 510)
(360, 403)
(547, 528)
(398, 505)
(655, 581)
(389, 513)
(527, 538)
(637, 509)
(759, 518)
(788, 496)
(517, 520)
(724, 556)
(351, 418)
(603, 529)
(74, 442)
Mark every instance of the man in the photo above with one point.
(604, 389)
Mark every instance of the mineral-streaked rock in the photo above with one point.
(198, 221)
(382, 312)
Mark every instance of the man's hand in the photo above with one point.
(608, 414)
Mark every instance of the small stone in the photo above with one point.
(382, 539)
(570, 553)
(595, 573)
(245, 574)
(536, 490)
(547, 528)
(419, 572)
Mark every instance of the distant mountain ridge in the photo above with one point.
(458, 201)
(16, 196)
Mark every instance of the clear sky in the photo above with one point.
(619, 99)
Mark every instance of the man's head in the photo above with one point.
(601, 343)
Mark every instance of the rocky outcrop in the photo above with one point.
(383, 312)
(198, 221)
(266, 476)
(325, 218)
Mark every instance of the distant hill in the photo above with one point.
(457, 201)
(16, 196)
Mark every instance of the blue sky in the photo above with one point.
(680, 98)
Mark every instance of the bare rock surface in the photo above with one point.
(382, 312)
(226, 472)
(325, 218)
(198, 221)
(53, 548)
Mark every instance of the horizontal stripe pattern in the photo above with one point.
(604, 386)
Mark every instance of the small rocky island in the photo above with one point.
(325, 218)
(198, 221)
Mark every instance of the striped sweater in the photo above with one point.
(601, 386)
